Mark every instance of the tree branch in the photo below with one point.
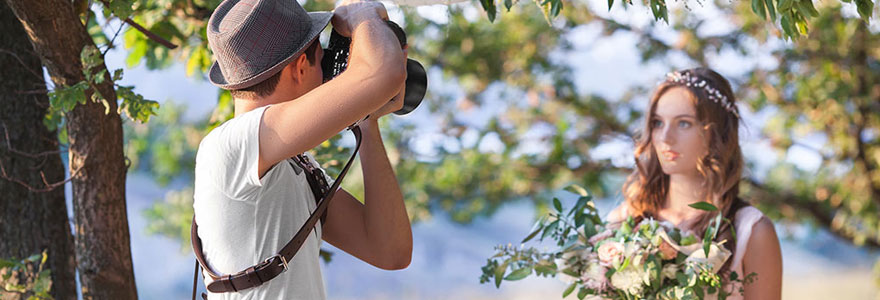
(48, 187)
(810, 206)
(22, 153)
(156, 38)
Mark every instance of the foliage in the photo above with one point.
(624, 260)
(794, 15)
(63, 99)
(38, 280)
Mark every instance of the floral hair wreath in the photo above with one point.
(693, 81)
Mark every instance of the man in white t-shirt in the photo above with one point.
(250, 197)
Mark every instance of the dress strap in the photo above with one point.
(745, 220)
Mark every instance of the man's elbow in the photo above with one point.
(399, 262)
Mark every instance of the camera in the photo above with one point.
(336, 60)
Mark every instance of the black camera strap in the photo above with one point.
(273, 266)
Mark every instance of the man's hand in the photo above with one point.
(352, 13)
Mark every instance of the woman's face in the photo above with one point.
(676, 134)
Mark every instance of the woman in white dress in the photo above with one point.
(689, 152)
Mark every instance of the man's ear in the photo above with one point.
(300, 65)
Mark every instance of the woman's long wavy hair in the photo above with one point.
(647, 188)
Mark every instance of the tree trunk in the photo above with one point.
(31, 221)
(97, 165)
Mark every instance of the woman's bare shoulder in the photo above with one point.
(617, 214)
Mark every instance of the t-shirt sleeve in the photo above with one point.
(229, 156)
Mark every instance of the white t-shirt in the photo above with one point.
(244, 219)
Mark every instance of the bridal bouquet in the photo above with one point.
(648, 260)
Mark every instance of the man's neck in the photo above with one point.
(243, 106)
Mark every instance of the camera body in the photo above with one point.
(336, 60)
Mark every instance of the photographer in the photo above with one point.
(251, 192)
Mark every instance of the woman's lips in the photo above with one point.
(670, 155)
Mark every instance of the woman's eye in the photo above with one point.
(656, 124)
(684, 124)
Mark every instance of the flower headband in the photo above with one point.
(693, 81)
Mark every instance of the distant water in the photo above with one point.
(446, 258)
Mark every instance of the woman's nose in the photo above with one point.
(666, 135)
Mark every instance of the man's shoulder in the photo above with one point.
(235, 128)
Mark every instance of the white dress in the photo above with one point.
(745, 220)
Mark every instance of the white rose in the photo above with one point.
(630, 280)
(669, 271)
(594, 277)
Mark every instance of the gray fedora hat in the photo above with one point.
(254, 39)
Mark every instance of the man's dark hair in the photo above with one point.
(267, 87)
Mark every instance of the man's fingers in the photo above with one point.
(352, 12)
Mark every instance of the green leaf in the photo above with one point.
(489, 7)
(557, 205)
(508, 4)
(43, 282)
(577, 190)
(519, 274)
(121, 8)
(582, 293)
(758, 8)
(555, 7)
(538, 227)
(569, 289)
(784, 5)
(138, 51)
(6, 263)
(703, 206)
(706, 245)
(717, 228)
(550, 229)
(499, 273)
(807, 6)
(610, 2)
(866, 9)
(771, 9)
(99, 78)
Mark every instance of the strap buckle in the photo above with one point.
(283, 260)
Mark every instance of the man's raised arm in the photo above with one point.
(374, 76)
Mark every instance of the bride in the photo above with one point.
(689, 152)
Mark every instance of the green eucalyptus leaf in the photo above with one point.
(569, 289)
(518, 274)
(703, 206)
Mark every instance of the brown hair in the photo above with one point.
(267, 87)
(647, 188)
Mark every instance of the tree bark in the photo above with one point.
(96, 160)
(31, 221)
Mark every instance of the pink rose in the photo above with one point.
(667, 251)
(610, 253)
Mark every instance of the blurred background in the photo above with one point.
(522, 106)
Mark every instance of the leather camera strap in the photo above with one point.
(271, 267)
